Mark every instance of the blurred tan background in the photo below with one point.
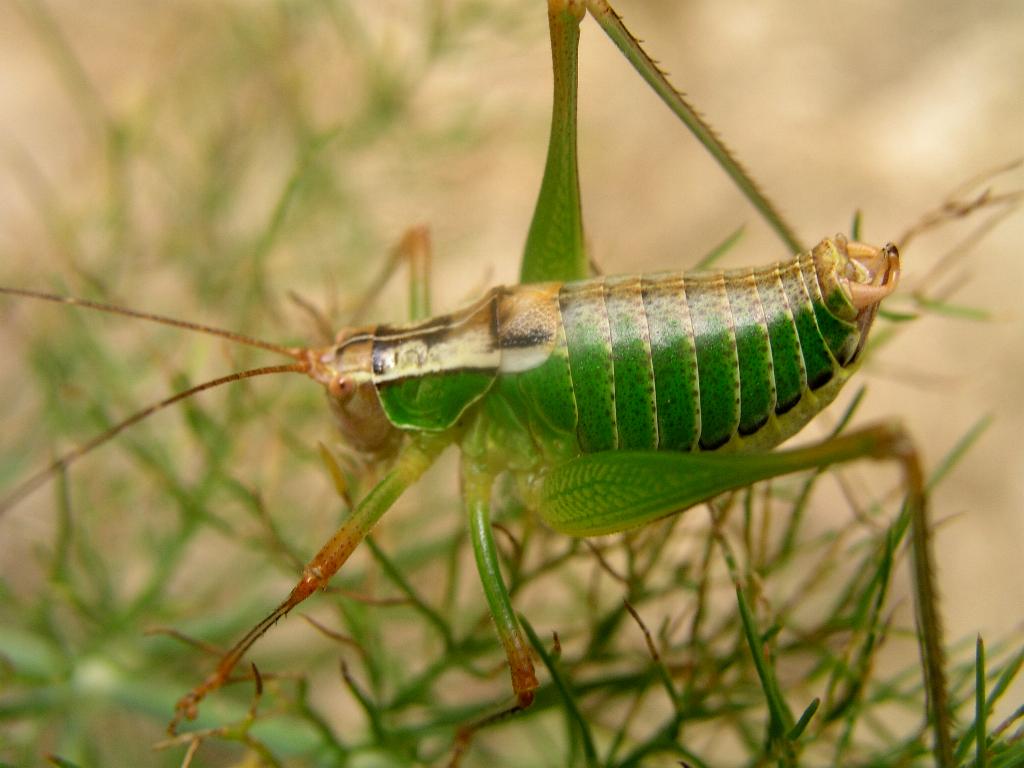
(878, 106)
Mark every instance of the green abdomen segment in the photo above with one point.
(675, 361)
(701, 361)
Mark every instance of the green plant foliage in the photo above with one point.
(210, 160)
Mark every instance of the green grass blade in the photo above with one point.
(720, 250)
(855, 225)
(957, 452)
(781, 717)
(980, 706)
(577, 721)
(801, 725)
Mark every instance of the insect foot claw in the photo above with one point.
(524, 699)
(187, 707)
(524, 683)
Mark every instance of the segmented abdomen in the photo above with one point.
(674, 361)
(693, 361)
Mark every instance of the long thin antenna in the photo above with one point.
(115, 310)
(30, 484)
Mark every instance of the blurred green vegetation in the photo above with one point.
(250, 151)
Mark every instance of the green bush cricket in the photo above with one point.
(477, 483)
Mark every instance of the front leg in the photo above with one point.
(412, 462)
